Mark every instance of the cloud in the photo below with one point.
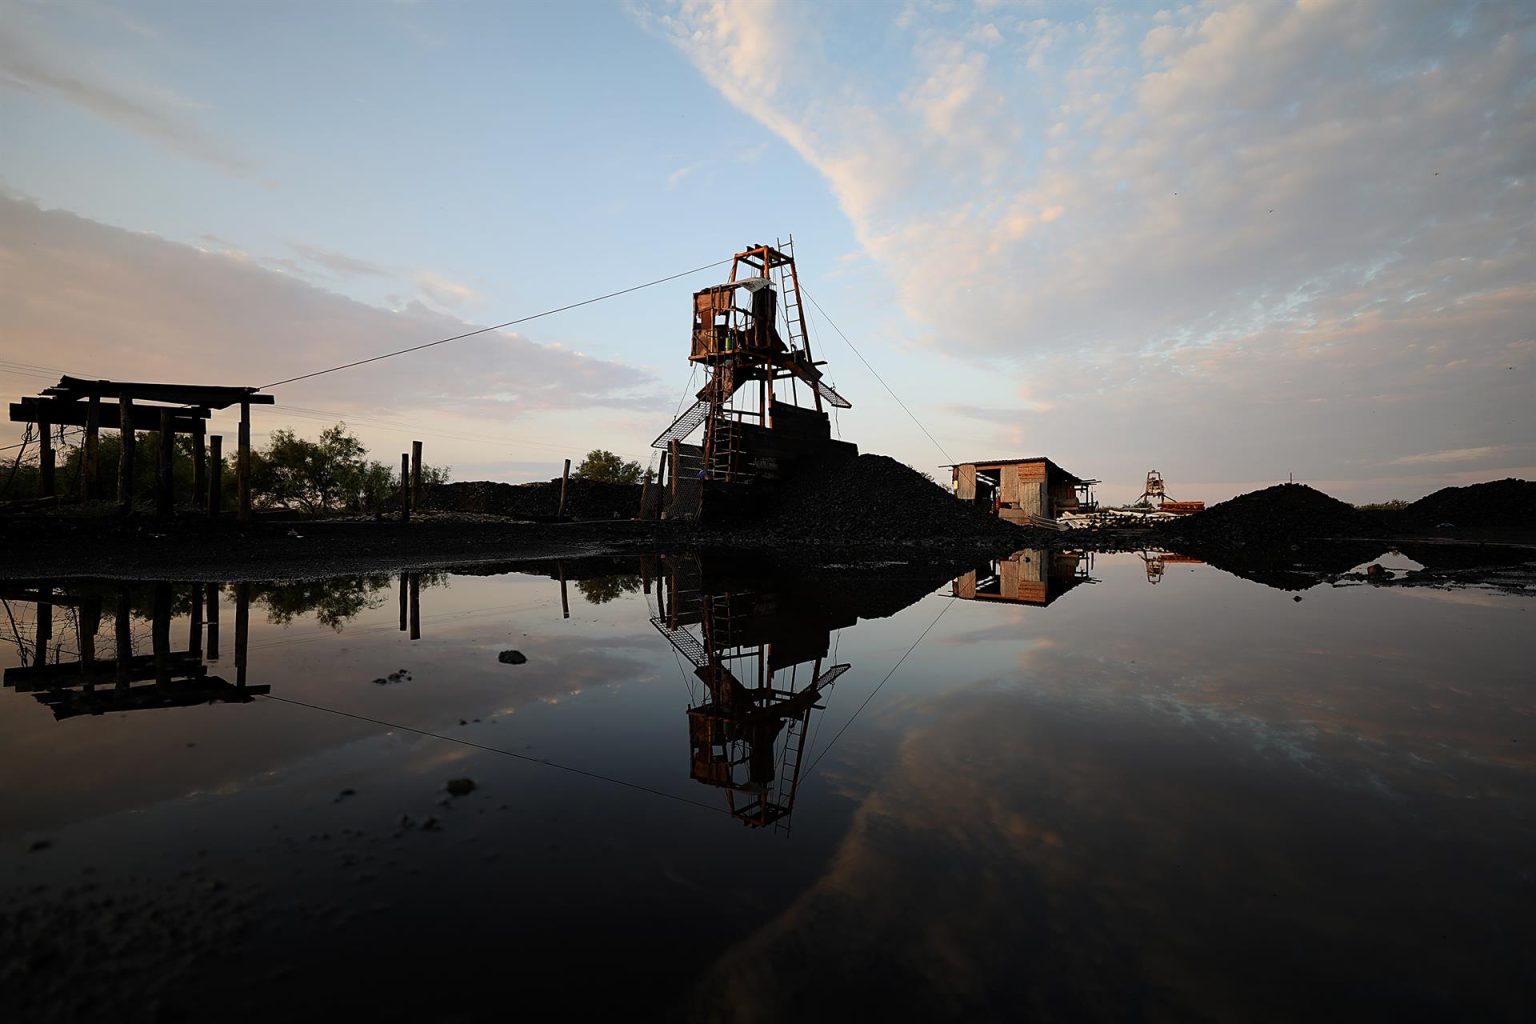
(1241, 206)
(102, 301)
(1452, 455)
(29, 64)
(338, 263)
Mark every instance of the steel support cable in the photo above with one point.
(877, 376)
(833, 741)
(498, 750)
(498, 327)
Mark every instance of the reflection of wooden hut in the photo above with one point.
(1034, 576)
(1019, 490)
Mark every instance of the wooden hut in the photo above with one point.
(1020, 490)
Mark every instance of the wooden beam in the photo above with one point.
(77, 414)
(125, 457)
(165, 477)
(214, 396)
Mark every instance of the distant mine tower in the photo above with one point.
(1154, 488)
(749, 434)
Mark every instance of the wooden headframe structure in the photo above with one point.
(130, 407)
(739, 340)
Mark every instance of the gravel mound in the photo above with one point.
(585, 499)
(1278, 514)
(1495, 504)
(875, 499)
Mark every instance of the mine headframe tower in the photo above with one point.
(739, 341)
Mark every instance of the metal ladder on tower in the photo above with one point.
(789, 295)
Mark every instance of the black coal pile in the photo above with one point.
(584, 499)
(1498, 504)
(873, 499)
(1274, 515)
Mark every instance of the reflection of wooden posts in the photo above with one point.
(215, 475)
(416, 475)
(88, 623)
(195, 624)
(44, 625)
(124, 628)
(415, 606)
(213, 622)
(44, 458)
(243, 462)
(90, 451)
(165, 490)
(405, 599)
(405, 487)
(160, 632)
(125, 457)
(242, 630)
(565, 478)
(199, 464)
(565, 601)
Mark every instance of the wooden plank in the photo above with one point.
(199, 466)
(965, 488)
(90, 452)
(214, 396)
(1032, 498)
(1009, 485)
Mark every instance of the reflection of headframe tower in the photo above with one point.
(757, 373)
(170, 678)
(761, 663)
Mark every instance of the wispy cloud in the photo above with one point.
(1451, 455)
(30, 64)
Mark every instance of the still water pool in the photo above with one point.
(693, 788)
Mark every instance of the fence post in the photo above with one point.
(405, 487)
(165, 490)
(215, 475)
(565, 478)
(416, 475)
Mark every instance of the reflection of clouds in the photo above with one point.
(1033, 856)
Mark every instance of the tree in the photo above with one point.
(607, 468)
(333, 474)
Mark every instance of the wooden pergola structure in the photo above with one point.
(130, 407)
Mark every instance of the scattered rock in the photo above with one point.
(461, 787)
(39, 845)
(512, 657)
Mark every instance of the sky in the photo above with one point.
(1235, 242)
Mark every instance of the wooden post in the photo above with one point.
(44, 459)
(242, 630)
(405, 600)
(213, 622)
(405, 487)
(415, 606)
(195, 622)
(160, 632)
(88, 623)
(165, 489)
(416, 475)
(215, 475)
(199, 464)
(124, 625)
(125, 460)
(89, 454)
(675, 468)
(243, 462)
(565, 478)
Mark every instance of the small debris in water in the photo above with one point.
(344, 794)
(461, 787)
(39, 845)
(512, 657)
